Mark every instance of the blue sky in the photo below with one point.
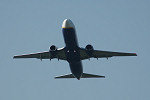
(28, 26)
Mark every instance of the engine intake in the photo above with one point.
(89, 47)
(89, 50)
(53, 51)
(53, 48)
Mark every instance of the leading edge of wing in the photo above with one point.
(38, 55)
(99, 53)
(102, 54)
(60, 54)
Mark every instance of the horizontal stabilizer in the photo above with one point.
(65, 76)
(84, 75)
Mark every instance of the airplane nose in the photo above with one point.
(67, 23)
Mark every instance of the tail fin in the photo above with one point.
(84, 75)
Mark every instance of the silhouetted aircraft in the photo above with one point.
(73, 53)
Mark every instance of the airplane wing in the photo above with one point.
(60, 54)
(102, 54)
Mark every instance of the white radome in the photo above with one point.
(67, 23)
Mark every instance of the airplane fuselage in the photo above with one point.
(72, 49)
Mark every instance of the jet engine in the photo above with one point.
(53, 48)
(53, 51)
(89, 47)
(89, 50)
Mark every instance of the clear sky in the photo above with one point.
(29, 26)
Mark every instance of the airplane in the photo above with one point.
(73, 54)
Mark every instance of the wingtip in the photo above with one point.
(135, 54)
(14, 57)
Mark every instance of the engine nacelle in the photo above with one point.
(53, 48)
(89, 50)
(53, 51)
(89, 47)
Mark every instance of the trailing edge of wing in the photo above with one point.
(84, 75)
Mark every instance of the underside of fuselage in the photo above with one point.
(72, 48)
